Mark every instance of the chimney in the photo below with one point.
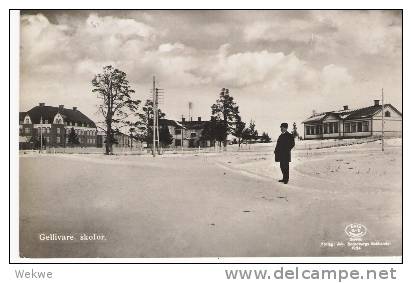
(183, 119)
(376, 102)
(61, 107)
(41, 104)
(199, 119)
(345, 107)
(74, 108)
(191, 119)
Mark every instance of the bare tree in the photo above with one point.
(117, 105)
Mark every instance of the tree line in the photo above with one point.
(120, 110)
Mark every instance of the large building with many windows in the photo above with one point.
(354, 123)
(56, 124)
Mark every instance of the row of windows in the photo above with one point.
(333, 128)
(356, 127)
(59, 121)
(326, 128)
(179, 132)
(67, 140)
(59, 131)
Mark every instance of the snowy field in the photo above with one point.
(215, 204)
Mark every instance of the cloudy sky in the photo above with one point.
(279, 65)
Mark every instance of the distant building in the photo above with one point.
(353, 123)
(190, 132)
(121, 140)
(193, 133)
(56, 124)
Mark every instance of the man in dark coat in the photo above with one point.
(284, 145)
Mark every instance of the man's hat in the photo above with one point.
(284, 125)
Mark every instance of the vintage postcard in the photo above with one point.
(210, 134)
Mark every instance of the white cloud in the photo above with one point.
(168, 47)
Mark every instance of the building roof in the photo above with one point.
(167, 122)
(195, 125)
(364, 112)
(48, 113)
(21, 116)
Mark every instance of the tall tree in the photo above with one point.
(117, 106)
(226, 110)
(165, 137)
(252, 133)
(239, 131)
(73, 138)
(213, 131)
(146, 122)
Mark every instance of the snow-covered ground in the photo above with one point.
(212, 204)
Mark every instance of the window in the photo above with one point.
(58, 130)
(336, 127)
(366, 126)
(347, 128)
(48, 130)
(353, 127)
(178, 142)
(48, 139)
(359, 126)
(46, 121)
(27, 121)
(307, 130)
(67, 139)
(325, 129)
(193, 135)
(178, 131)
(330, 128)
(387, 114)
(58, 139)
(318, 129)
(27, 130)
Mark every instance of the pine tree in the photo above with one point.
(239, 131)
(145, 124)
(165, 137)
(226, 111)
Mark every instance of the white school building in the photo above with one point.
(353, 123)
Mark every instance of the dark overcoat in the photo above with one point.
(283, 147)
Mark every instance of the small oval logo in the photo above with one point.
(355, 230)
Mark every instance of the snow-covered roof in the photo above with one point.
(348, 114)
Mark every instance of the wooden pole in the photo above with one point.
(154, 117)
(383, 132)
(41, 134)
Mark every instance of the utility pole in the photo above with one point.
(154, 117)
(383, 122)
(181, 142)
(157, 121)
(156, 94)
(41, 134)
